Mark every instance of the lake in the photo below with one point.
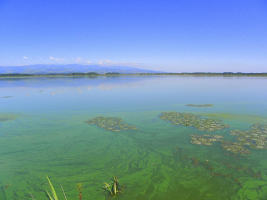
(43, 132)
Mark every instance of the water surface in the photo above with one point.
(46, 134)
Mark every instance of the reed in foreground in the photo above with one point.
(53, 192)
(113, 188)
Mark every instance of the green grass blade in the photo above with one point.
(49, 195)
(63, 192)
(32, 196)
(52, 188)
(108, 186)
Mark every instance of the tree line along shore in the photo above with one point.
(132, 74)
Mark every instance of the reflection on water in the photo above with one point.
(47, 135)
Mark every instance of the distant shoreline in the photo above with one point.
(225, 74)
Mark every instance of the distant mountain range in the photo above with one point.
(71, 68)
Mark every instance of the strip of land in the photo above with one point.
(227, 74)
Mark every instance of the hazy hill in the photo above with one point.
(48, 69)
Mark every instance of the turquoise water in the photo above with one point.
(46, 134)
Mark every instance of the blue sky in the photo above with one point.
(167, 35)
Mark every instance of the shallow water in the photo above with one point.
(46, 134)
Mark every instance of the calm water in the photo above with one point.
(47, 135)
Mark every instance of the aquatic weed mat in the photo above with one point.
(241, 119)
(157, 161)
(8, 116)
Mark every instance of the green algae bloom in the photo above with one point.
(114, 124)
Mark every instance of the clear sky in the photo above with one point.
(167, 35)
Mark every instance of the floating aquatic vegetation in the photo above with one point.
(111, 123)
(205, 139)
(6, 186)
(227, 164)
(244, 169)
(211, 168)
(236, 156)
(187, 119)
(221, 174)
(5, 118)
(235, 147)
(256, 138)
(210, 125)
(5, 97)
(239, 183)
(195, 161)
(257, 175)
(184, 158)
(205, 164)
(199, 105)
(227, 176)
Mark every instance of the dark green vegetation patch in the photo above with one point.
(111, 123)
(199, 105)
(187, 119)
(205, 139)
